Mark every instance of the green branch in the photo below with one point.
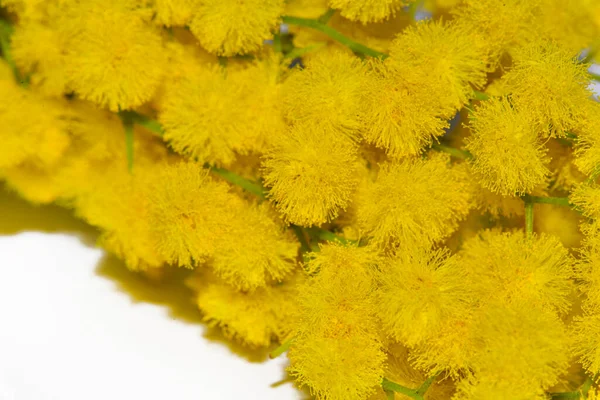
(237, 180)
(565, 396)
(277, 43)
(128, 125)
(132, 117)
(301, 236)
(326, 16)
(147, 122)
(528, 219)
(454, 152)
(571, 135)
(528, 199)
(285, 346)
(582, 393)
(6, 31)
(335, 35)
(477, 95)
(300, 51)
(129, 145)
(557, 201)
(425, 385)
(388, 385)
(587, 384)
(142, 120)
(417, 394)
(322, 234)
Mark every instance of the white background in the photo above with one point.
(75, 325)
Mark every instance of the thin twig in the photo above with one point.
(285, 346)
(335, 35)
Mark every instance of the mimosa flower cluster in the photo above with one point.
(401, 194)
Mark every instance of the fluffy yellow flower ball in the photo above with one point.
(229, 27)
(116, 58)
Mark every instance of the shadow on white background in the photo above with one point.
(68, 331)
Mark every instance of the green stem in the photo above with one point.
(283, 381)
(557, 201)
(322, 234)
(565, 142)
(462, 154)
(150, 124)
(237, 180)
(128, 125)
(594, 76)
(389, 394)
(285, 346)
(324, 19)
(335, 35)
(277, 42)
(301, 235)
(528, 219)
(565, 396)
(465, 155)
(587, 385)
(477, 95)
(129, 145)
(300, 51)
(425, 385)
(581, 393)
(6, 31)
(386, 384)
(130, 117)
(571, 135)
